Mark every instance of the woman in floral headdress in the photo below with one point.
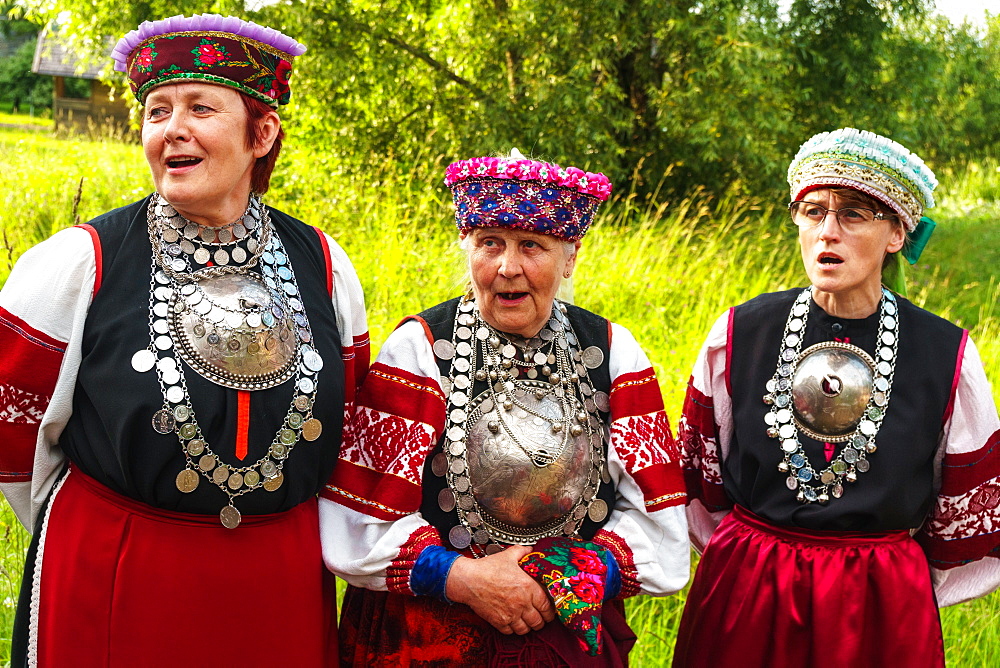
(513, 462)
(841, 445)
(178, 370)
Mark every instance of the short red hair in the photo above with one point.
(260, 179)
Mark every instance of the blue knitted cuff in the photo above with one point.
(613, 583)
(430, 572)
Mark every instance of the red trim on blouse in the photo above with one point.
(98, 256)
(958, 374)
(423, 323)
(326, 258)
(729, 351)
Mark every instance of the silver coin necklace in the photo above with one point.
(232, 326)
(834, 392)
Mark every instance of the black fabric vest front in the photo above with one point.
(898, 491)
(110, 436)
(591, 330)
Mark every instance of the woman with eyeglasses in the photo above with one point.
(841, 445)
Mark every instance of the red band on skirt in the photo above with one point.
(777, 596)
(125, 584)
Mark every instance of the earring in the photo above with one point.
(567, 274)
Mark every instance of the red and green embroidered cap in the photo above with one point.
(208, 48)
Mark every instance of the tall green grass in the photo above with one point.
(664, 269)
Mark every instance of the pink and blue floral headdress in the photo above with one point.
(208, 48)
(519, 193)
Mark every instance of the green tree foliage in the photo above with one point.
(715, 93)
(19, 85)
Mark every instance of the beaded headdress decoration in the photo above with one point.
(208, 48)
(523, 194)
(867, 162)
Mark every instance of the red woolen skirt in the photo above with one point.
(773, 596)
(380, 629)
(119, 583)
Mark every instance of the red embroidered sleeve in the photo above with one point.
(397, 575)
(640, 434)
(626, 563)
(398, 419)
(698, 437)
(29, 368)
(965, 523)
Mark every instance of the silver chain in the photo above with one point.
(851, 460)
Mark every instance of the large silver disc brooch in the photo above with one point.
(525, 458)
(235, 331)
(833, 392)
(831, 387)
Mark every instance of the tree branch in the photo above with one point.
(436, 65)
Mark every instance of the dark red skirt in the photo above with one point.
(772, 596)
(380, 629)
(119, 583)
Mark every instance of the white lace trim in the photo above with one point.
(36, 580)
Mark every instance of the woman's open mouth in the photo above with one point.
(183, 161)
(511, 296)
(829, 259)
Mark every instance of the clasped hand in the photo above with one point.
(500, 592)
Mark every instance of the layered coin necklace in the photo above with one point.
(523, 460)
(833, 392)
(234, 327)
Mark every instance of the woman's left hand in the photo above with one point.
(500, 592)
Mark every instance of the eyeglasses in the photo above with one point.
(809, 215)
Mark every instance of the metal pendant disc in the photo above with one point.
(460, 537)
(187, 481)
(163, 421)
(272, 484)
(446, 500)
(593, 357)
(230, 517)
(311, 429)
(597, 510)
(444, 349)
(439, 465)
(830, 390)
(143, 360)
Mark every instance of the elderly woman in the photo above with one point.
(177, 370)
(513, 462)
(837, 513)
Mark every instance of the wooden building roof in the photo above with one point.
(55, 57)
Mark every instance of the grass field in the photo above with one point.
(665, 270)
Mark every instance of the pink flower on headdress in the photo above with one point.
(279, 84)
(573, 176)
(589, 587)
(144, 59)
(282, 72)
(208, 53)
